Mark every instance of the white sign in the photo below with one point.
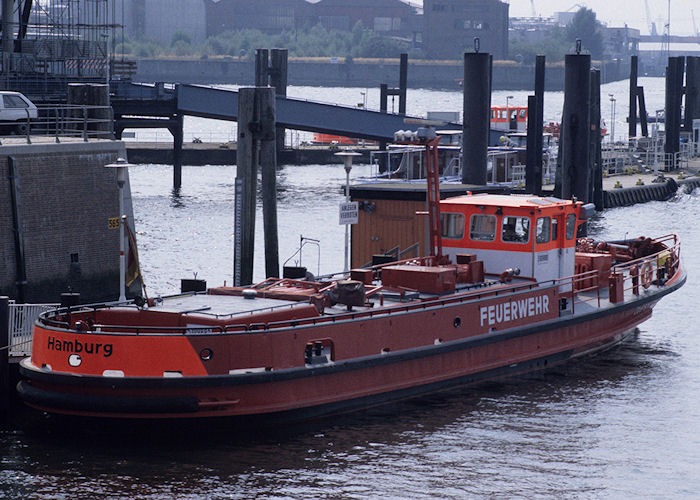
(348, 212)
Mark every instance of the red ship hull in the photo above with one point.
(342, 386)
(294, 348)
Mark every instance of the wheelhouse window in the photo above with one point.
(482, 227)
(452, 226)
(544, 225)
(515, 230)
(555, 230)
(570, 226)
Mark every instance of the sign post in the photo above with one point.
(348, 210)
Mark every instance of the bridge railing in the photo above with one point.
(60, 122)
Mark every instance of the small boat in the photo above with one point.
(508, 289)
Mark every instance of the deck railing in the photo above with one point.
(22, 318)
(582, 288)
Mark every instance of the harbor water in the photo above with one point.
(622, 424)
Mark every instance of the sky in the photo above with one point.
(619, 12)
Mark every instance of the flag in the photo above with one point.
(133, 269)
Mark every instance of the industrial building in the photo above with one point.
(389, 17)
(450, 26)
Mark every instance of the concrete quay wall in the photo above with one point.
(66, 197)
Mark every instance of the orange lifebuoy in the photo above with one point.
(647, 275)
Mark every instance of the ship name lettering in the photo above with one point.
(78, 347)
(513, 310)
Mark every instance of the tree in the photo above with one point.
(586, 27)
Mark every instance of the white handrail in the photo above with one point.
(22, 318)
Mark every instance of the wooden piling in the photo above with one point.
(256, 145)
(278, 80)
(4, 355)
(265, 105)
(632, 119)
(261, 67)
(575, 171)
(477, 113)
(246, 187)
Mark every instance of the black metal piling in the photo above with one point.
(642, 112)
(384, 92)
(176, 130)
(596, 189)
(403, 82)
(477, 112)
(692, 93)
(672, 114)
(632, 119)
(575, 171)
(539, 121)
(532, 173)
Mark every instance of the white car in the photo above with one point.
(14, 111)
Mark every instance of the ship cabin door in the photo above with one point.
(536, 235)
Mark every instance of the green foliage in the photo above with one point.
(124, 48)
(180, 36)
(561, 41)
(554, 47)
(182, 48)
(585, 26)
(315, 41)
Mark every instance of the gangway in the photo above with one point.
(135, 100)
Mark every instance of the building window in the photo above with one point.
(382, 24)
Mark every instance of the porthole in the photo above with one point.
(206, 354)
(457, 322)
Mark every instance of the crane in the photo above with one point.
(695, 27)
(532, 6)
(650, 24)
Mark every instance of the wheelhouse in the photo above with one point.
(535, 234)
(509, 117)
